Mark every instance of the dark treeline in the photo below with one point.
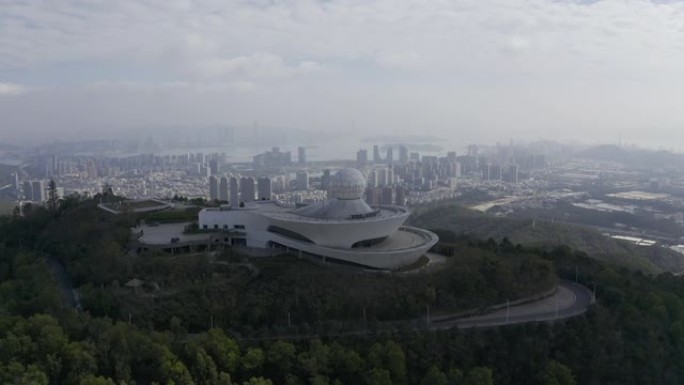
(634, 335)
(289, 296)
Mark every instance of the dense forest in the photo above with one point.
(284, 295)
(633, 335)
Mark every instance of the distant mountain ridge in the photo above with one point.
(637, 157)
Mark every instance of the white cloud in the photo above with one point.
(262, 39)
(525, 65)
(11, 89)
(516, 44)
(256, 66)
(242, 85)
(308, 66)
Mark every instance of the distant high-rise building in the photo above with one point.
(458, 169)
(91, 170)
(400, 196)
(325, 180)
(387, 196)
(430, 160)
(381, 177)
(418, 175)
(491, 171)
(495, 172)
(183, 159)
(302, 180)
(280, 184)
(38, 190)
(390, 155)
(403, 155)
(272, 158)
(301, 155)
(376, 154)
(28, 191)
(511, 174)
(213, 188)
(373, 178)
(213, 167)
(247, 189)
(194, 168)
(223, 189)
(372, 196)
(414, 157)
(234, 191)
(15, 184)
(486, 172)
(204, 171)
(362, 157)
(264, 187)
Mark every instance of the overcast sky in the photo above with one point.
(481, 70)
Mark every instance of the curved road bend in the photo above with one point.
(570, 299)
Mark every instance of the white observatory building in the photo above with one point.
(343, 229)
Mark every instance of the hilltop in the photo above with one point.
(543, 234)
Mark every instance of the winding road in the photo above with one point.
(569, 300)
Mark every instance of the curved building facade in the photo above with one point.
(341, 229)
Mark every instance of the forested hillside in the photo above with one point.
(634, 335)
(545, 234)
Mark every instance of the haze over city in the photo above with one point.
(467, 71)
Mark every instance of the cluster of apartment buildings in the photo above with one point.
(236, 189)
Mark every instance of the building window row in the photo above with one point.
(225, 227)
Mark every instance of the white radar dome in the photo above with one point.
(348, 183)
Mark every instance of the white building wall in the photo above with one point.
(380, 259)
(339, 234)
(343, 233)
(333, 240)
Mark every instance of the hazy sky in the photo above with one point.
(474, 69)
